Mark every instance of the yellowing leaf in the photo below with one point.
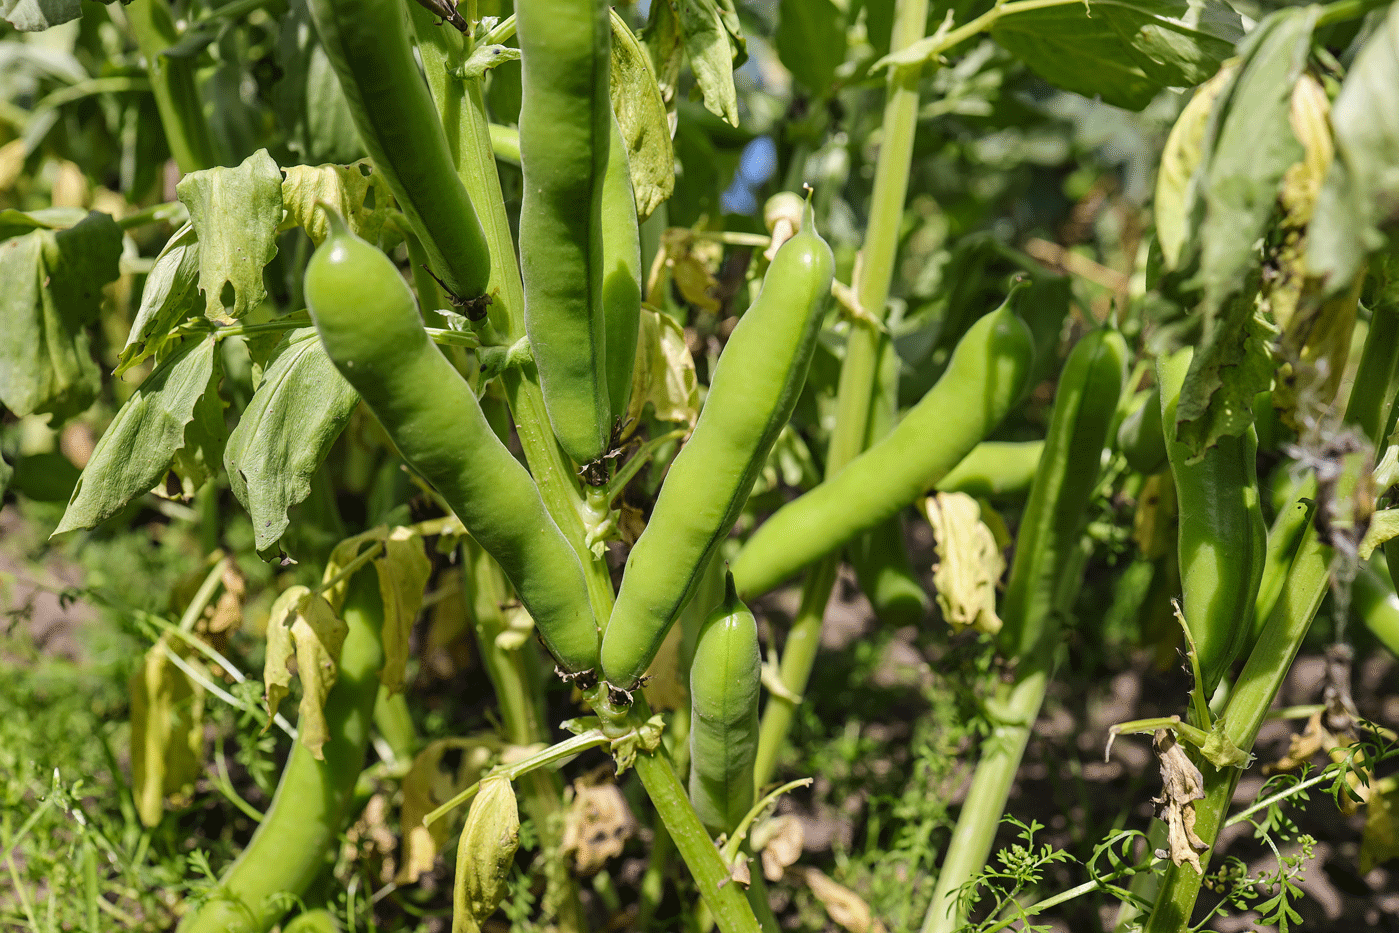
(969, 562)
(1153, 525)
(403, 571)
(167, 729)
(641, 116)
(664, 375)
(425, 787)
(597, 825)
(344, 187)
(843, 905)
(315, 634)
(1380, 841)
(1179, 160)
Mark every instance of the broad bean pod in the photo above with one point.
(621, 282)
(368, 46)
(1140, 437)
(984, 378)
(565, 132)
(995, 469)
(725, 676)
(1222, 535)
(296, 839)
(369, 324)
(751, 396)
(1085, 405)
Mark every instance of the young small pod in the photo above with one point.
(369, 325)
(1223, 537)
(724, 680)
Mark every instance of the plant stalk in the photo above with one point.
(173, 84)
(857, 374)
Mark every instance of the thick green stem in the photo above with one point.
(724, 897)
(1254, 691)
(172, 82)
(857, 374)
(1001, 753)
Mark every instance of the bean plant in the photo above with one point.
(483, 313)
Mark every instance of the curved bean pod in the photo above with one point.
(369, 324)
(751, 396)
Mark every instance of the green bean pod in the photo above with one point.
(984, 378)
(367, 43)
(297, 838)
(751, 396)
(724, 680)
(995, 469)
(565, 133)
(1222, 534)
(1140, 437)
(369, 324)
(621, 283)
(1085, 405)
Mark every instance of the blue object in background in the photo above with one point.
(757, 164)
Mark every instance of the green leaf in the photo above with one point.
(640, 109)
(235, 212)
(297, 412)
(810, 41)
(136, 449)
(711, 54)
(38, 15)
(54, 282)
(1122, 50)
(1360, 195)
(1220, 751)
(308, 101)
(1231, 365)
(14, 223)
(1250, 146)
(6, 472)
(166, 298)
(198, 460)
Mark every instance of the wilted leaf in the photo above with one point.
(1153, 526)
(1360, 195)
(315, 634)
(843, 906)
(136, 449)
(166, 298)
(664, 375)
(345, 188)
(300, 408)
(969, 562)
(235, 213)
(597, 825)
(1181, 157)
(167, 729)
(427, 786)
(1182, 785)
(198, 460)
(781, 841)
(711, 55)
(1380, 841)
(1125, 51)
(447, 648)
(485, 853)
(641, 116)
(54, 281)
(403, 571)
